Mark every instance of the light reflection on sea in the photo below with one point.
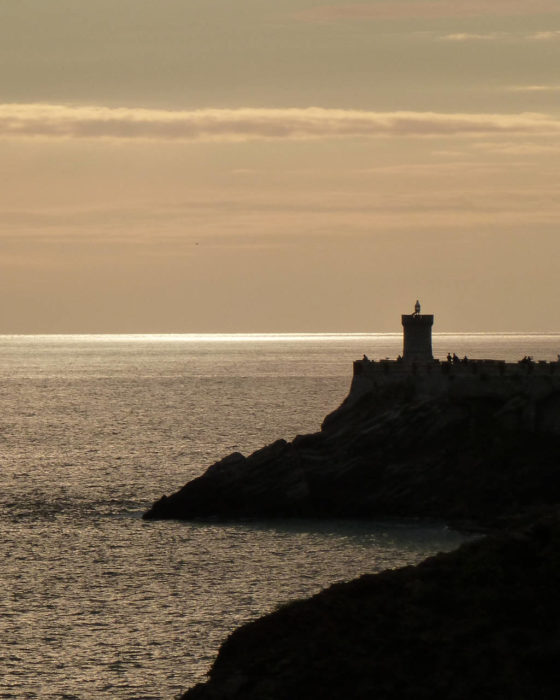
(97, 603)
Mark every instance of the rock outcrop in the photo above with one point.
(463, 456)
(474, 444)
(480, 622)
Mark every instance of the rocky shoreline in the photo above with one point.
(469, 460)
(481, 622)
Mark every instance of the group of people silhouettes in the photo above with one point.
(456, 359)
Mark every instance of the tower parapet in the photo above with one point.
(418, 373)
(417, 336)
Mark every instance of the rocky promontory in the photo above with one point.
(480, 622)
(461, 444)
(474, 443)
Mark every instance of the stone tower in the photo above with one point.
(417, 336)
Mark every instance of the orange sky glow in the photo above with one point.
(278, 167)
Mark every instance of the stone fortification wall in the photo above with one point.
(472, 378)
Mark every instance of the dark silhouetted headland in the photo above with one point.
(473, 442)
(480, 622)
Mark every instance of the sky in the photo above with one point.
(289, 166)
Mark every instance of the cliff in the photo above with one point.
(469, 444)
(480, 622)
(472, 443)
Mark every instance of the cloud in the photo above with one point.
(66, 122)
(519, 148)
(545, 36)
(533, 88)
(472, 37)
(504, 36)
(407, 9)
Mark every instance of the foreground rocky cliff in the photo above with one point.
(475, 444)
(470, 457)
(480, 622)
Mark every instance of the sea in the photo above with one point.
(97, 603)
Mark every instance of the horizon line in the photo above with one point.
(240, 336)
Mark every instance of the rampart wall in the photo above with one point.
(471, 378)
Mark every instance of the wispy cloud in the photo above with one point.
(66, 122)
(545, 36)
(472, 37)
(550, 35)
(520, 148)
(532, 88)
(405, 9)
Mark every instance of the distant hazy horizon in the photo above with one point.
(302, 166)
(287, 335)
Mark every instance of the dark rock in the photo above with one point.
(468, 458)
(481, 622)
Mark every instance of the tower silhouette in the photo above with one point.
(417, 336)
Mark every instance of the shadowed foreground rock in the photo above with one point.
(482, 622)
(467, 457)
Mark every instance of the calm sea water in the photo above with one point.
(96, 603)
